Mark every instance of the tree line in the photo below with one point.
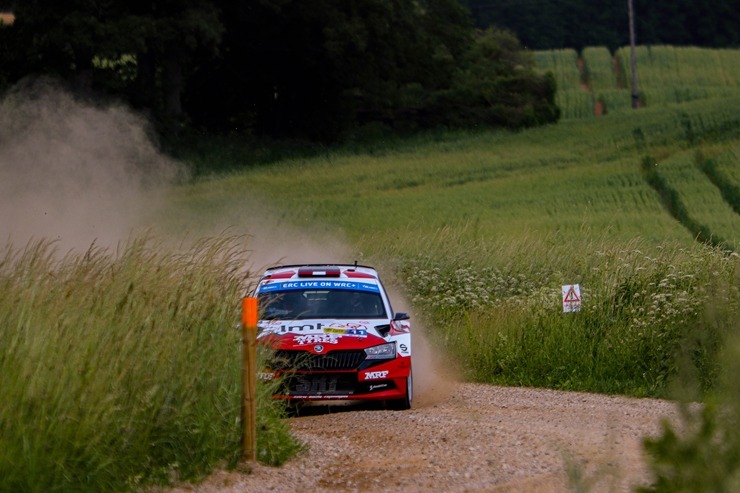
(317, 70)
(547, 24)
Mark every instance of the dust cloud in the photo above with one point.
(271, 235)
(435, 376)
(73, 172)
(81, 174)
(435, 373)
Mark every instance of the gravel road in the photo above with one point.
(468, 438)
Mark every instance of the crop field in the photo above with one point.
(577, 179)
(666, 74)
(727, 163)
(482, 229)
(599, 69)
(701, 198)
(563, 64)
(478, 229)
(571, 98)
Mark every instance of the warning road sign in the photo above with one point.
(571, 298)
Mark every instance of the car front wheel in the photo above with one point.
(405, 402)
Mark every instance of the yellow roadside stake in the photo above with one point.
(249, 379)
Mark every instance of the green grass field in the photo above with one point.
(702, 198)
(577, 179)
(666, 74)
(479, 229)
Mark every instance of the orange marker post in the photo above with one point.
(249, 379)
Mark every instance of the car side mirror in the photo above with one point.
(383, 329)
(401, 316)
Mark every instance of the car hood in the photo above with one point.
(321, 336)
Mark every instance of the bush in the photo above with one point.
(701, 451)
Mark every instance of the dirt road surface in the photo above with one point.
(471, 438)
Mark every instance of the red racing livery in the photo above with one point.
(334, 334)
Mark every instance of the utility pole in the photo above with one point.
(633, 57)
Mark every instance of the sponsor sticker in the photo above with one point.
(281, 328)
(356, 330)
(324, 284)
(307, 339)
(346, 331)
(376, 375)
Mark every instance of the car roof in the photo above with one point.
(320, 271)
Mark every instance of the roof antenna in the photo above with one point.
(355, 264)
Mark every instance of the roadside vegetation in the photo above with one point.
(644, 310)
(122, 369)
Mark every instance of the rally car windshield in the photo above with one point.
(305, 304)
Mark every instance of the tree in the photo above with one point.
(88, 43)
(498, 86)
(320, 68)
(542, 24)
(282, 68)
(181, 33)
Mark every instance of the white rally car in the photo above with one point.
(335, 335)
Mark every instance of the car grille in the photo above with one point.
(331, 384)
(321, 384)
(304, 360)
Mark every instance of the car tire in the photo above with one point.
(406, 402)
(293, 409)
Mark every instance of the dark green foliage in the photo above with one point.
(581, 23)
(705, 457)
(317, 70)
(494, 84)
(283, 69)
(86, 43)
(700, 451)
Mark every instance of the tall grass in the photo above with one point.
(122, 368)
(606, 81)
(673, 66)
(728, 163)
(500, 313)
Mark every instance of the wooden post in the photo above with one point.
(633, 56)
(249, 379)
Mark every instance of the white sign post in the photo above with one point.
(571, 298)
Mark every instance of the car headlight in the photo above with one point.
(383, 351)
